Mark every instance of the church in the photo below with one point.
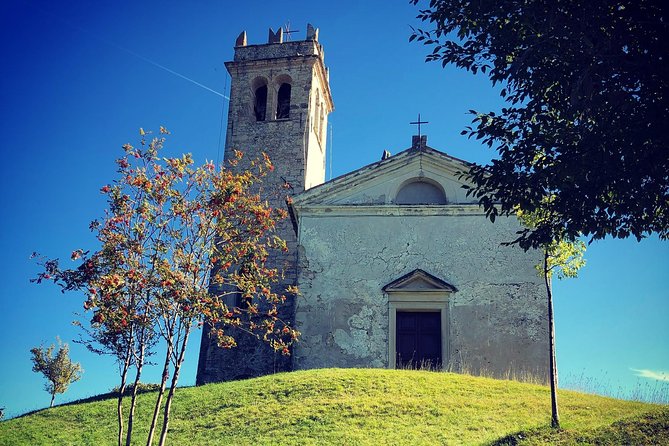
(396, 266)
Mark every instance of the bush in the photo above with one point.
(141, 388)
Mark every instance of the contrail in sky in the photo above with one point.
(139, 56)
(156, 64)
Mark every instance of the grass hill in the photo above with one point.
(358, 406)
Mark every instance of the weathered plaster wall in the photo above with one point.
(497, 316)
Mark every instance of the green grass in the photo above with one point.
(359, 406)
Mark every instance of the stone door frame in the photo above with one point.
(418, 291)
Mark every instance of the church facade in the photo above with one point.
(396, 266)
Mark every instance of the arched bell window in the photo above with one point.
(260, 99)
(283, 101)
(421, 191)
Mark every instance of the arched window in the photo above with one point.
(283, 102)
(421, 191)
(260, 99)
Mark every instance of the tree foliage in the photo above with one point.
(58, 370)
(176, 240)
(586, 89)
(564, 257)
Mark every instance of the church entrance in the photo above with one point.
(418, 340)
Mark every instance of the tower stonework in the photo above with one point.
(279, 102)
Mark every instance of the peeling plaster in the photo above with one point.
(497, 316)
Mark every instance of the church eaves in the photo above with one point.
(421, 155)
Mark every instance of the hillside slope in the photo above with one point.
(358, 406)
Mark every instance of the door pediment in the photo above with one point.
(418, 292)
(419, 280)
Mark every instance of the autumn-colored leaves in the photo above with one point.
(174, 241)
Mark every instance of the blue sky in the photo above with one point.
(77, 80)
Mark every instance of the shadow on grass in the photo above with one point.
(510, 440)
(90, 399)
(651, 428)
(113, 394)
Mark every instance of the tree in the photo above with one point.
(58, 370)
(564, 258)
(587, 106)
(129, 343)
(175, 241)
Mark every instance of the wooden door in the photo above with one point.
(418, 339)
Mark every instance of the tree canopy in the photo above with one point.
(178, 244)
(58, 370)
(586, 90)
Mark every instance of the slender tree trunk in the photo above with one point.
(555, 416)
(133, 400)
(53, 397)
(173, 385)
(161, 392)
(119, 402)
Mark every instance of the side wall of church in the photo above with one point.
(498, 315)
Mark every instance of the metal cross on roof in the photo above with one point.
(287, 31)
(418, 123)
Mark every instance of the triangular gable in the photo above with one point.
(350, 188)
(418, 280)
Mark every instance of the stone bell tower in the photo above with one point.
(279, 103)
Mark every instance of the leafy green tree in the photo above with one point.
(564, 258)
(586, 89)
(58, 370)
